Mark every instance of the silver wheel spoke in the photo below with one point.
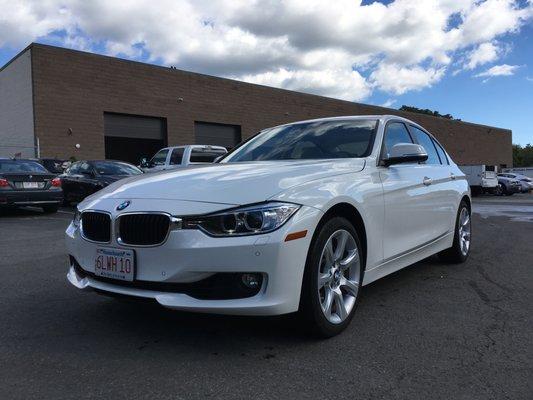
(330, 256)
(324, 279)
(340, 308)
(341, 245)
(350, 287)
(328, 303)
(352, 257)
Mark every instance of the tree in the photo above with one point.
(427, 112)
(522, 156)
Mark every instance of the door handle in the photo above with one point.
(427, 181)
(452, 175)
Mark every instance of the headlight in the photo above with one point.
(77, 218)
(249, 220)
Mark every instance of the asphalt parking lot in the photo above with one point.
(429, 331)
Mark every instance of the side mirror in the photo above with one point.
(404, 153)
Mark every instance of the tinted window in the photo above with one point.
(205, 156)
(21, 166)
(442, 153)
(426, 142)
(85, 169)
(160, 157)
(74, 169)
(115, 168)
(312, 140)
(176, 156)
(396, 133)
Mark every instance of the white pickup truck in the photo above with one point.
(481, 178)
(182, 156)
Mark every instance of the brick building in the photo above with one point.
(75, 104)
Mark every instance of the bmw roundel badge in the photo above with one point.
(123, 205)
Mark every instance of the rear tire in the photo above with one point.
(460, 249)
(332, 280)
(50, 209)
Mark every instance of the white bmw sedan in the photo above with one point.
(297, 218)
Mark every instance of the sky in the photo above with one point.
(469, 58)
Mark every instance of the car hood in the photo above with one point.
(231, 183)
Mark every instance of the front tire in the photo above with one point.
(460, 249)
(332, 279)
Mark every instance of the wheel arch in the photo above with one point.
(350, 212)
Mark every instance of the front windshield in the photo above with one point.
(115, 168)
(309, 141)
(21, 166)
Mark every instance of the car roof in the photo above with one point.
(203, 146)
(381, 117)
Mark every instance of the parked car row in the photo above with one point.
(50, 182)
(484, 179)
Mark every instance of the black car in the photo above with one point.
(28, 183)
(52, 164)
(83, 178)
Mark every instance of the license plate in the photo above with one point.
(30, 185)
(115, 263)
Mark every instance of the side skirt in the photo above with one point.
(394, 264)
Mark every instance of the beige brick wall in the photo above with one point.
(73, 89)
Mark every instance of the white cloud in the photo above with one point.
(484, 53)
(498, 70)
(342, 49)
(398, 80)
(388, 103)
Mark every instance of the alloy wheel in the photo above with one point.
(339, 276)
(464, 231)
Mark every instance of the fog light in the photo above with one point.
(251, 281)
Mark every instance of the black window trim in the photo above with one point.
(381, 149)
(433, 141)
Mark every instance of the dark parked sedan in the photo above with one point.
(83, 178)
(28, 183)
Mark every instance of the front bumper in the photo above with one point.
(191, 256)
(30, 197)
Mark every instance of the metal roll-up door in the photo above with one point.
(132, 137)
(217, 134)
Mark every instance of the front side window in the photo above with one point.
(160, 157)
(177, 156)
(426, 142)
(309, 141)
(395, 133)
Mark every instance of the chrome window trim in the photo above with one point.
(174, 223)
(110, 225)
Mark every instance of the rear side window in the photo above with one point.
(396, 133)
(442, 153)
(204, 156)
(177, 156)
(426, 142)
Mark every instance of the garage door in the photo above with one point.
(217, 134)
(131, 137)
